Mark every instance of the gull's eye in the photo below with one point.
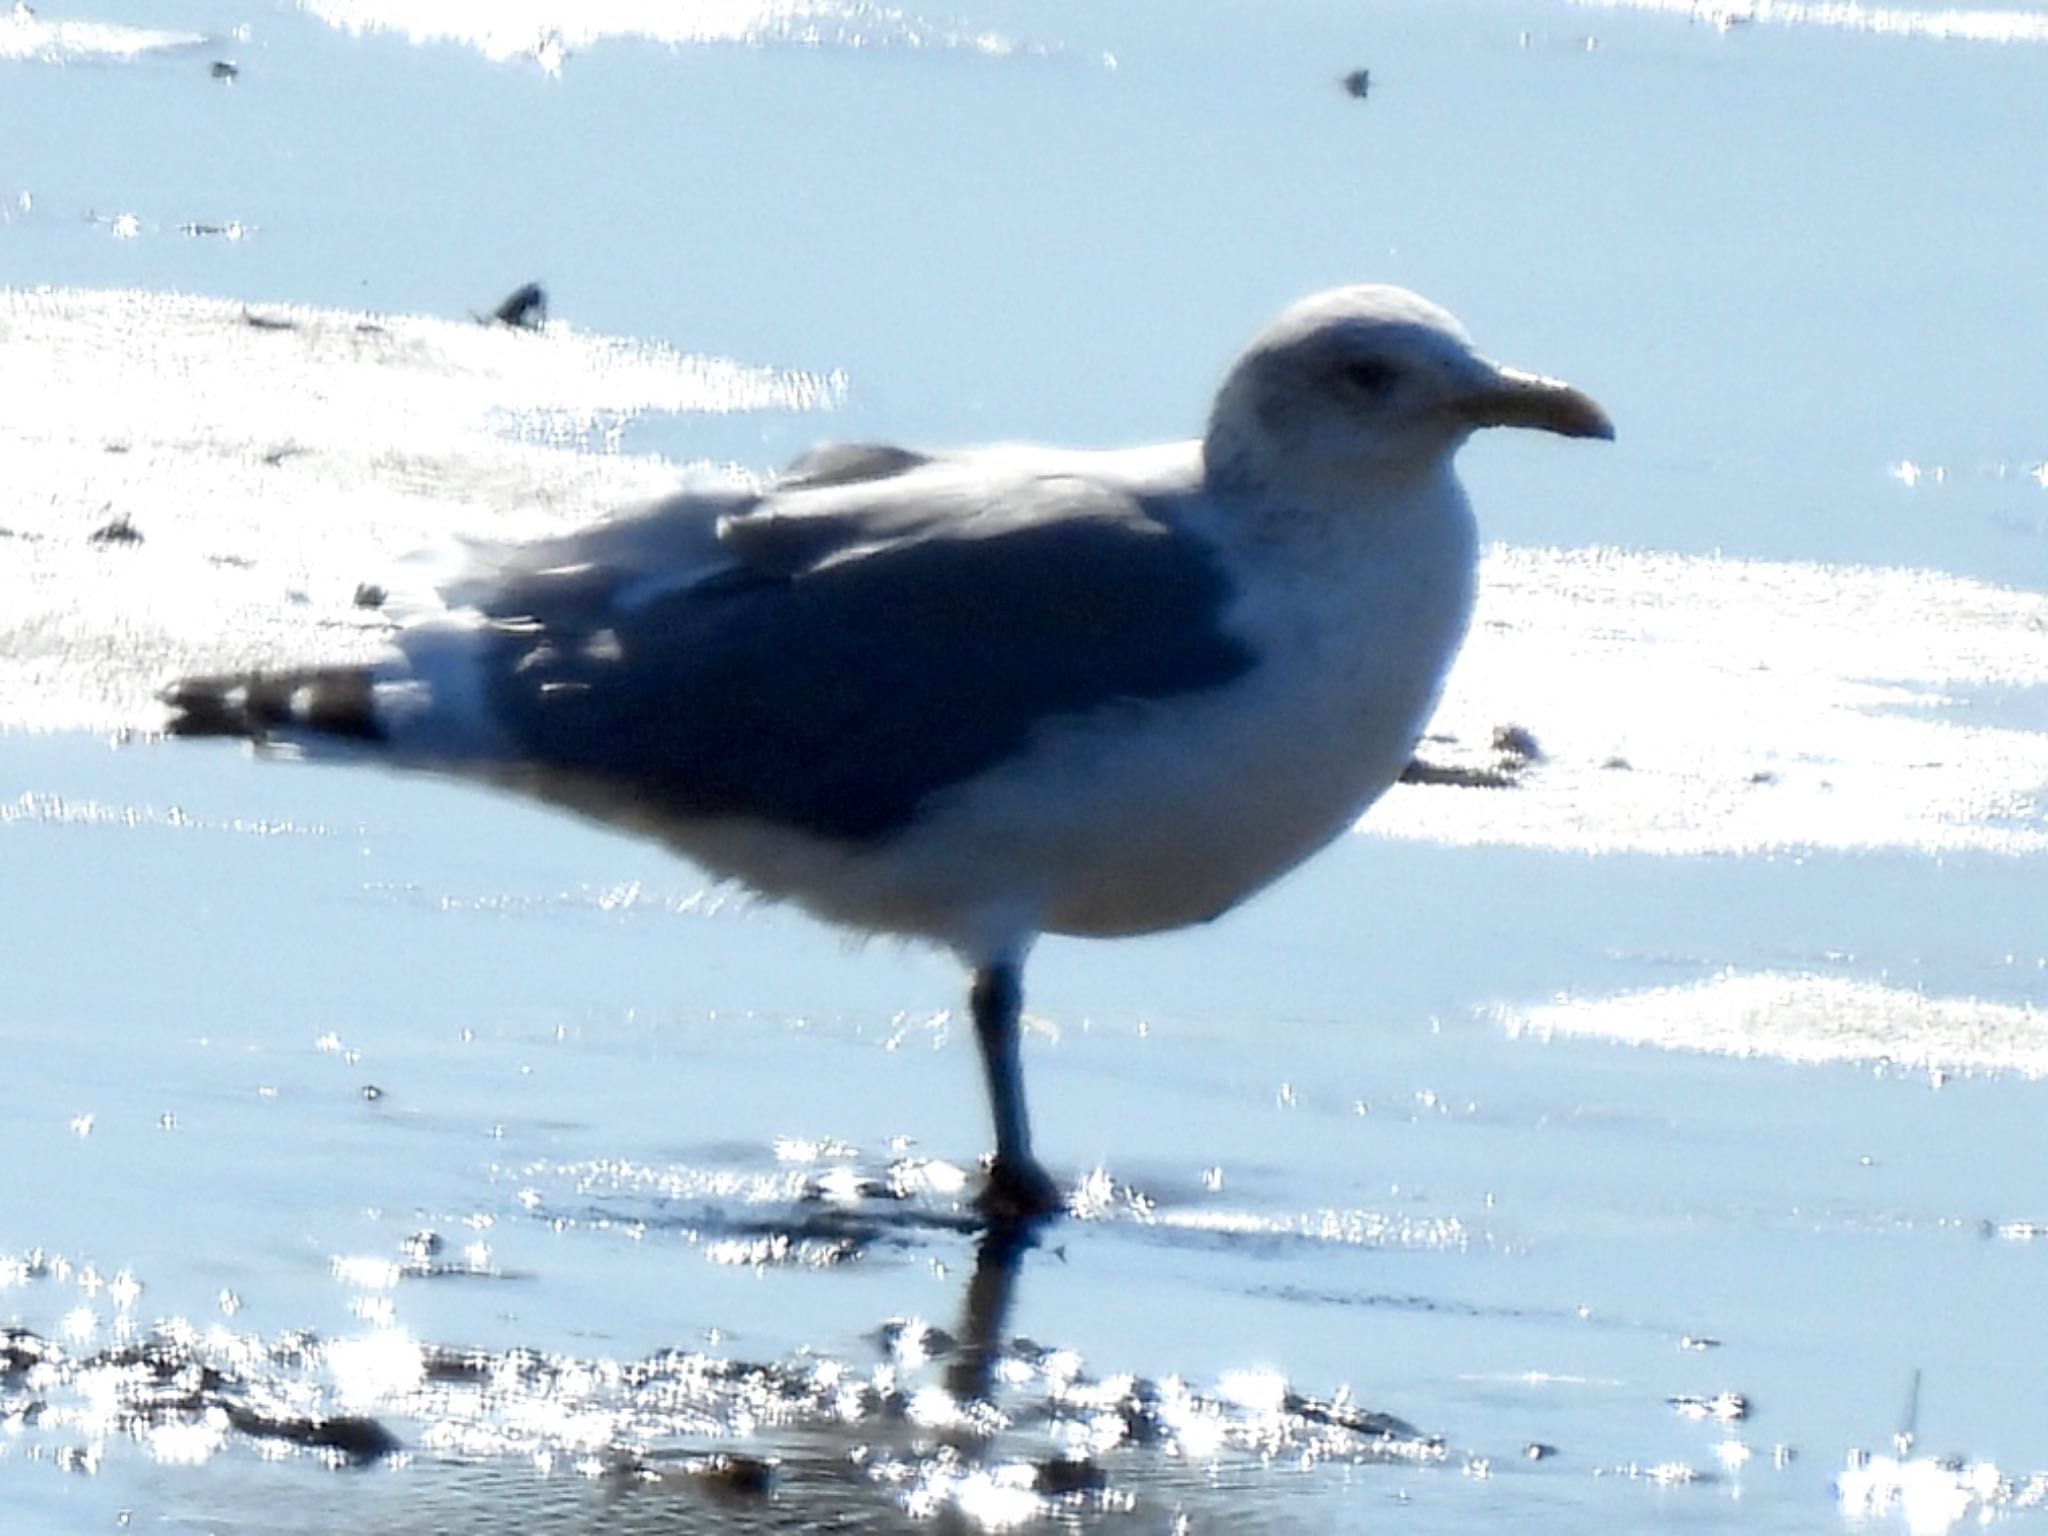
(1370, 377)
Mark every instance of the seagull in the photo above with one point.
(975, 697)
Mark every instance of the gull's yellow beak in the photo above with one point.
(1513, 398)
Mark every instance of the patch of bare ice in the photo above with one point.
(547, 32)
(1806, 1019)
(1685, 704)
(1982, 24)
(27, 37)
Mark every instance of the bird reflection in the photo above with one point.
(985, 1311)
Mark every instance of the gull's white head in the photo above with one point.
(1373, 379)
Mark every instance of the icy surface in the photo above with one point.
(1637, 1127)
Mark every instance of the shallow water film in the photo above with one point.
(1635, 1125)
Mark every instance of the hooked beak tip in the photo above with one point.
(1518, 399)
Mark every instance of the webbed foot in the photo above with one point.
(1020, 1191)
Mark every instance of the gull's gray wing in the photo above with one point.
(875, 633)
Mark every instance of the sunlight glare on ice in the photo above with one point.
(1805, 1019)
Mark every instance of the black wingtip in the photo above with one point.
(205, 706)
(333, 701)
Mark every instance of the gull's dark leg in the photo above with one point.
(1018, 1189)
